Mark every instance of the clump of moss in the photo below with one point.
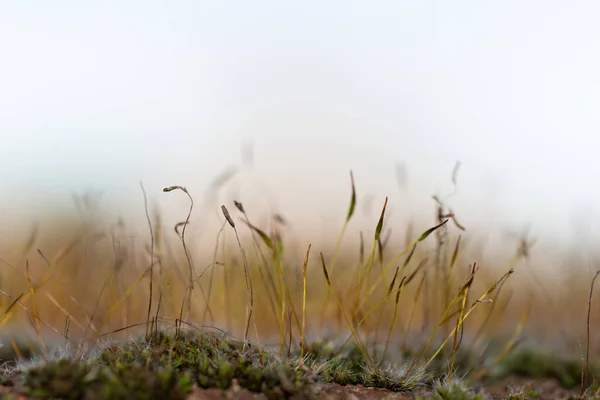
(336, 370)
(183, 351)
(162, 383)
(24, 350)
(6, 380)
(454, 390)
(349, 367)
(391, 377)
(66, 379)
(212, 362)
(464, 360)
(168, 366)
(539, 365)
(344, 369)
(523, 394)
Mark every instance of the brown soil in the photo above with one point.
(329, 391)
(545, 389)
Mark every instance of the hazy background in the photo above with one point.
(98, 95)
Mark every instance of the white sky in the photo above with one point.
(102, 94)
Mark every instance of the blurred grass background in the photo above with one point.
(85, 273)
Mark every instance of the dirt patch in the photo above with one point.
(327, 391)
(528, 388)
(359, 392)
(541, 389)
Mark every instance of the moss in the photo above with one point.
(389, 377)
(538, 365)
(215, 362)
(346, 368)
(6, 380)
(524, 395)
(164, 383)
(336, 370)
(169, 366)
(212, 362)
(65, 379)
(26, 349)
(454, 391)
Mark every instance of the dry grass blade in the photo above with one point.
(29, 244)
(284, 291)
(416, 271)
(51, 272)
(452, 216)
(481, 300)
(348, 323)
(185, 249)
(389, 292)
(455, 253)
(34, 309)
(377, 304)
(221, 179)
(156, 317)
(361, 251)
(484, 324)
(150, 288)
(178, 226)
(210, 280)
(8, 313)
(465, 293)
(421, 238)
(384, 241)
(366, 272)
(511, 344)
(239, 206)
(412, 313)
(429, 231)
(265, 238)
(67, 327)
(410, 248)
(282, 309)
(325, 271)
(379, 227)
(304, 273)
(64, 311)
(586, 370)
(227, 216)
(352, 206)
(264, 268)
(30, 313)
(455, 173)
(250, 292)
(276, 245)
(52, 265)
(387, 341)
(332, 265)
(62, 253)
(123, 297)
(410, 255)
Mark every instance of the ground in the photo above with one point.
(207, 367)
